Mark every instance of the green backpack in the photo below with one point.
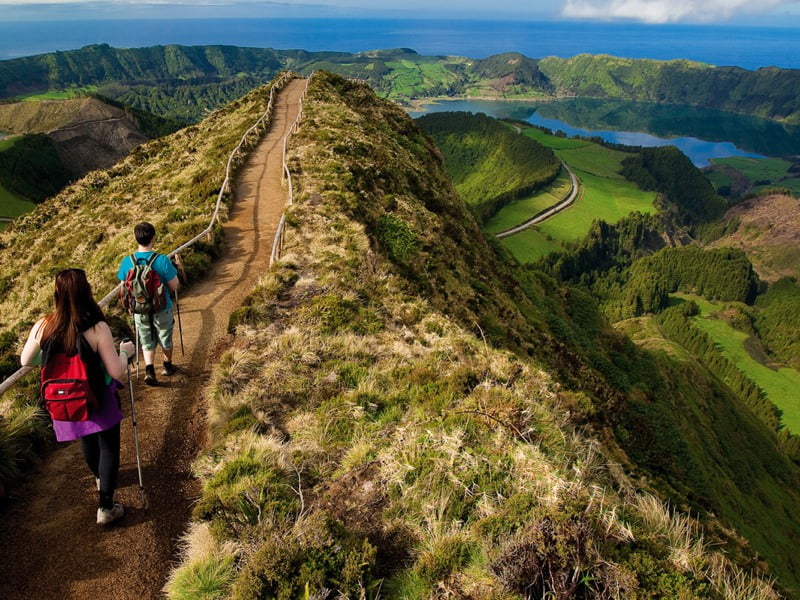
(142, 291)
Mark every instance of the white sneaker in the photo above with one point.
(106, 516)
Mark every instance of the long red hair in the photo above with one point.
(75, 311)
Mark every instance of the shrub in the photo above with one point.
(318, 556)
(397, 238)
(209, 579)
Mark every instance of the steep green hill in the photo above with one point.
(490, 163)
(767, 92)
(185, 82)
(30, 169)
(405, 412)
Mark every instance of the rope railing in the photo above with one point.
(12, 379)
(277, 243)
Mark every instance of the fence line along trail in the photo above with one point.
(50, 545)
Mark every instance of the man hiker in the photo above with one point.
(152, 309)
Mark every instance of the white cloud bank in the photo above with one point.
(668, 11)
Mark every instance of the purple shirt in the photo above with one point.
(109, 415)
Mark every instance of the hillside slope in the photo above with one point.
(88, 134)
(767, 227)
(406, 415)
(490, 163)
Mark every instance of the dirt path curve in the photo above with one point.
(50, 546)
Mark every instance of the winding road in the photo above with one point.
(548, 212)
(50, 546)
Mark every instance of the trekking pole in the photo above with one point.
(136, 335)
(178, 312)
(135, 430)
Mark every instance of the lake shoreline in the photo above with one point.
(644, 124)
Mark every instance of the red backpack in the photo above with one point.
(68, 384)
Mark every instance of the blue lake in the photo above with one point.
(700, 134)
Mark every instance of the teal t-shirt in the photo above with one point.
(161, 265)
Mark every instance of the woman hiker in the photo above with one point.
(78, 326)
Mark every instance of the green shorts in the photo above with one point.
(159, 333)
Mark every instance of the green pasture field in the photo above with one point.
(793, 185)
(600, 198)
(59, 94)
(12, 205)
(408, 78)
(781, 385)
(756, 169)
(555, 142)
(530, 245)
(604, 194)
(718, 179)
(521, 210)
(772, 170)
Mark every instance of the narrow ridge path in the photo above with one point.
(50, 546)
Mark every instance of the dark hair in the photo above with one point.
(75, 312)
(144, 233)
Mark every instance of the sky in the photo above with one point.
(752, 12)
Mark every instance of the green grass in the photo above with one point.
(780, 385)
(412, 79)
(520, 211)
(555, 142)
(11, 205)
(719, 179)
(601, 198)
(530, 245)
(707, 307)
(793, 185)
(772, 172)
(59, 94)
(756, 169)
(604, 194)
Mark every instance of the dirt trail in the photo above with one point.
(50, 546)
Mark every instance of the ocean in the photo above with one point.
(746, 47)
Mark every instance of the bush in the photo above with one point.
(320, 555)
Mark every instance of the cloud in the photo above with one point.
(667, 11)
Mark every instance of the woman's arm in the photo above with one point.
(116, 364)
(32, 353)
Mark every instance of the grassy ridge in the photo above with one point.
(368, 434)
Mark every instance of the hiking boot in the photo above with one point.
(106, 516)
(169, 368)
(150, 375)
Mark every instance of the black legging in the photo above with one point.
(101, 451)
